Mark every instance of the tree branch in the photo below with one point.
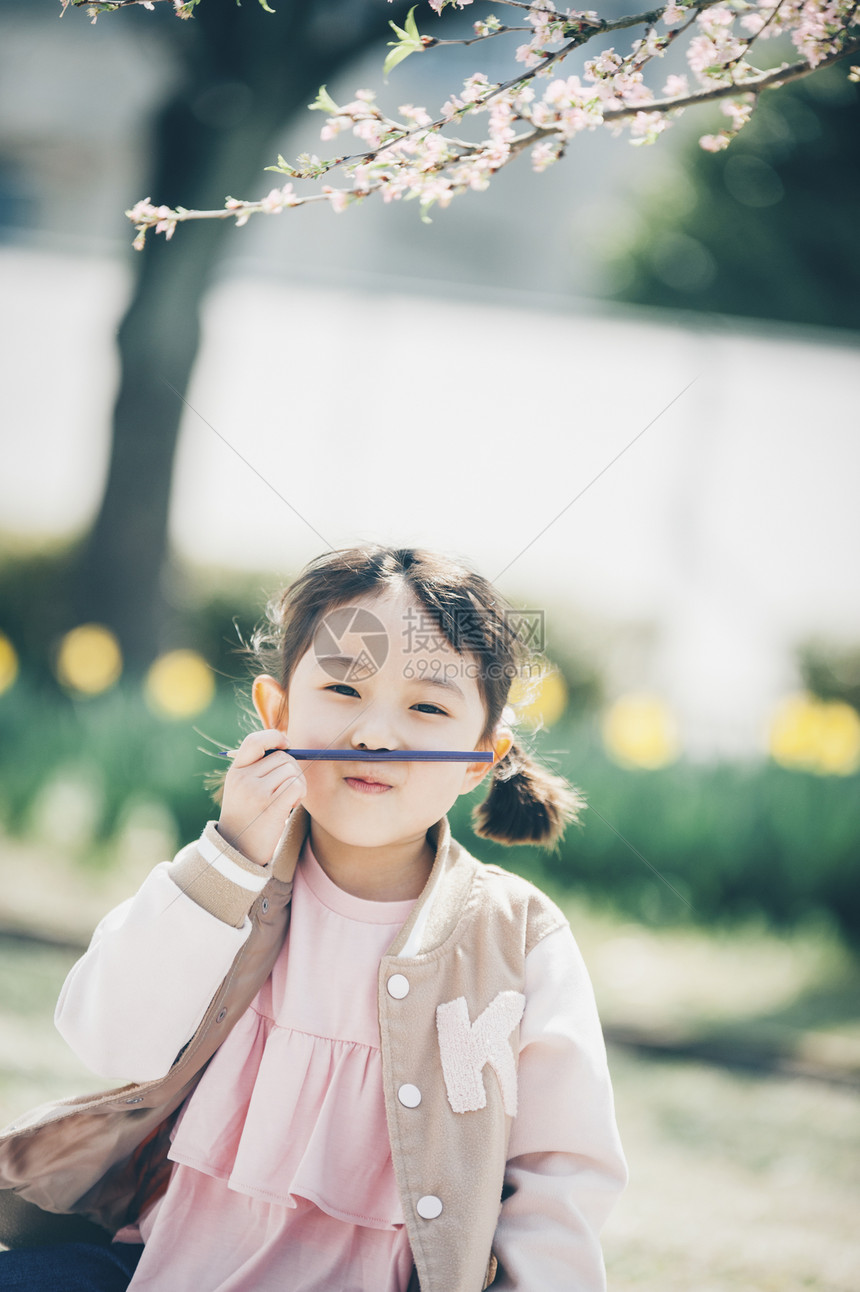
(754, 85)
(416, 157)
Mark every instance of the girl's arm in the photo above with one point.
(154, 963)
(139, 993)
(566, 1167)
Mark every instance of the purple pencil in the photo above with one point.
(378, 755)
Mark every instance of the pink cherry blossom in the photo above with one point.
(714, 143)
(701, 53)
(676, 87)
(420, 116)
(475, 86)
(166, 222)
(371, 131)
(631, 87)
(526, 54)
(278, 199)
(673, 15)
(645, 126)
(606, 64)
(338, 198)
(739, 110)
(143, 210)
(333, 127)
(544, 154)
(718, 16)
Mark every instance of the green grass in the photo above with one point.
(737, 1183)
(686, 844)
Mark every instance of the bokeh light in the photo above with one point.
(539, 701)
(815, 735)
(89, 660)
(8, 663)
(639, 730)
(180, 684)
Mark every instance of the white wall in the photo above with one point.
(727, 532)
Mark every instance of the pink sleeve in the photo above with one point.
(154, 963)
(566, 1167)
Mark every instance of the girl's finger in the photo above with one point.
(253, 748)
(285, 771)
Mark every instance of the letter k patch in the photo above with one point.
(466, 1048)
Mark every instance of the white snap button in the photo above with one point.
(409, 1096)
(398, 986)
(429, 1208)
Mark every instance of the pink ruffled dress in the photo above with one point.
(283, 1179)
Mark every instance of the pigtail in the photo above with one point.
(527, 803)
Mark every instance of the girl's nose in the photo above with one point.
(373, 730)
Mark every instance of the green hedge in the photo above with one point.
(115, 747)
(729, 841)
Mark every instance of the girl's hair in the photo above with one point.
(526, 803)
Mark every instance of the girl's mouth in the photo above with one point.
(366, 787)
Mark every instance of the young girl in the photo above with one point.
(359, 1059)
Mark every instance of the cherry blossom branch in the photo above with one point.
(181, 8)
(109, 5)
(770, 80)
(773, 79)
(651, 16)
(477, 103)
(415, 157)
(95, 8)
(433, 42)
(601, 26)
(484, 31)
(772, 16)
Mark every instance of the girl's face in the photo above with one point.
(421, 695)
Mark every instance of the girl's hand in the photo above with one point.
(259, 794)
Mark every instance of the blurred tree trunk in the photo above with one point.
(247, 71)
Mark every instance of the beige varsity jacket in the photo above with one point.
(511, 1157)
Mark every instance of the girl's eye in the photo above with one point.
(342, 686)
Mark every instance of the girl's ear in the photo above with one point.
(270, 701)
(500, 743)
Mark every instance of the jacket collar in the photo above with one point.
(441, 903)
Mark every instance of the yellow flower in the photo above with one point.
(180, 684)
(640, 731)
(89, 660)
(8, 663)
(539, 700)
(815, 735)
